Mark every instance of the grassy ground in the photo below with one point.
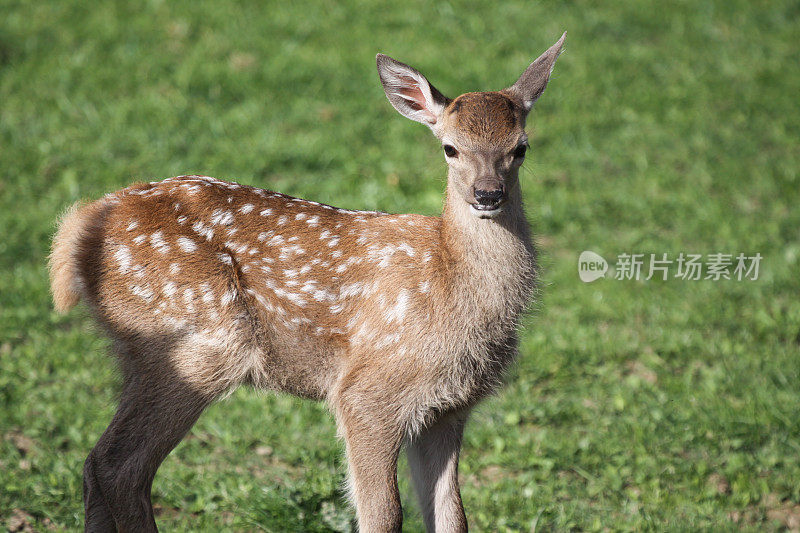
(668, 127)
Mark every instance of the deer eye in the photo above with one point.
(519, 151)
(450, 151)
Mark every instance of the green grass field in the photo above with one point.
(667, 127)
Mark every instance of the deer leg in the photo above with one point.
(152, 418)
(433, 461)
(373, 444)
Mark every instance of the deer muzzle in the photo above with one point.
(489, 195)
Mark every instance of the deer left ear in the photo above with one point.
(530, 86)
(410, 92)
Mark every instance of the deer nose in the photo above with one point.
(489, 195)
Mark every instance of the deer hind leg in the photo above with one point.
(433, 461)
(155, 412)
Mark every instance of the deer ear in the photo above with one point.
(530, 86)
(409, 92)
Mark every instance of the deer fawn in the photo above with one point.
(402, 323)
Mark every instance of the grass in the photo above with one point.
(668, 127)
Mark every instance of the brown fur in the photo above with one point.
(63, 274)
(489, 117)
(400, 322)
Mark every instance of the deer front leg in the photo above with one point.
(372, 438)
(433, 460)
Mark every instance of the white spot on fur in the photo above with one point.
(300, 216)
(424, 286)
(287, 251)
(322, 295)
(174, 268)
(123, 257)
(221, 216)
(405, 247)
(387, 340)
(143, 292)
(203, 230)
(157, 241)
(187, 245)
(169, 289)
(246, 208)
(140, 239)
(309, 285)
(275, 240)
(237, 247)
(263, 301)
(266, 212)
(225, 258)
(292, 297)
(313, 221)
(227, 297)
(188, 299)
(138, 271)
(208, 293)
(351, 289)
(382, 255)
(132, 226)
(398, 311)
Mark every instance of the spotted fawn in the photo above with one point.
(401, 323)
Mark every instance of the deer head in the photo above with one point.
(482, 133)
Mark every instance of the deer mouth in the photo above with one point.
(491, 210)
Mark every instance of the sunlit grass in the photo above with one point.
(667, 127)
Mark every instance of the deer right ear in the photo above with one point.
(409, 92)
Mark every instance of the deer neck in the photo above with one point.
(492, 260)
